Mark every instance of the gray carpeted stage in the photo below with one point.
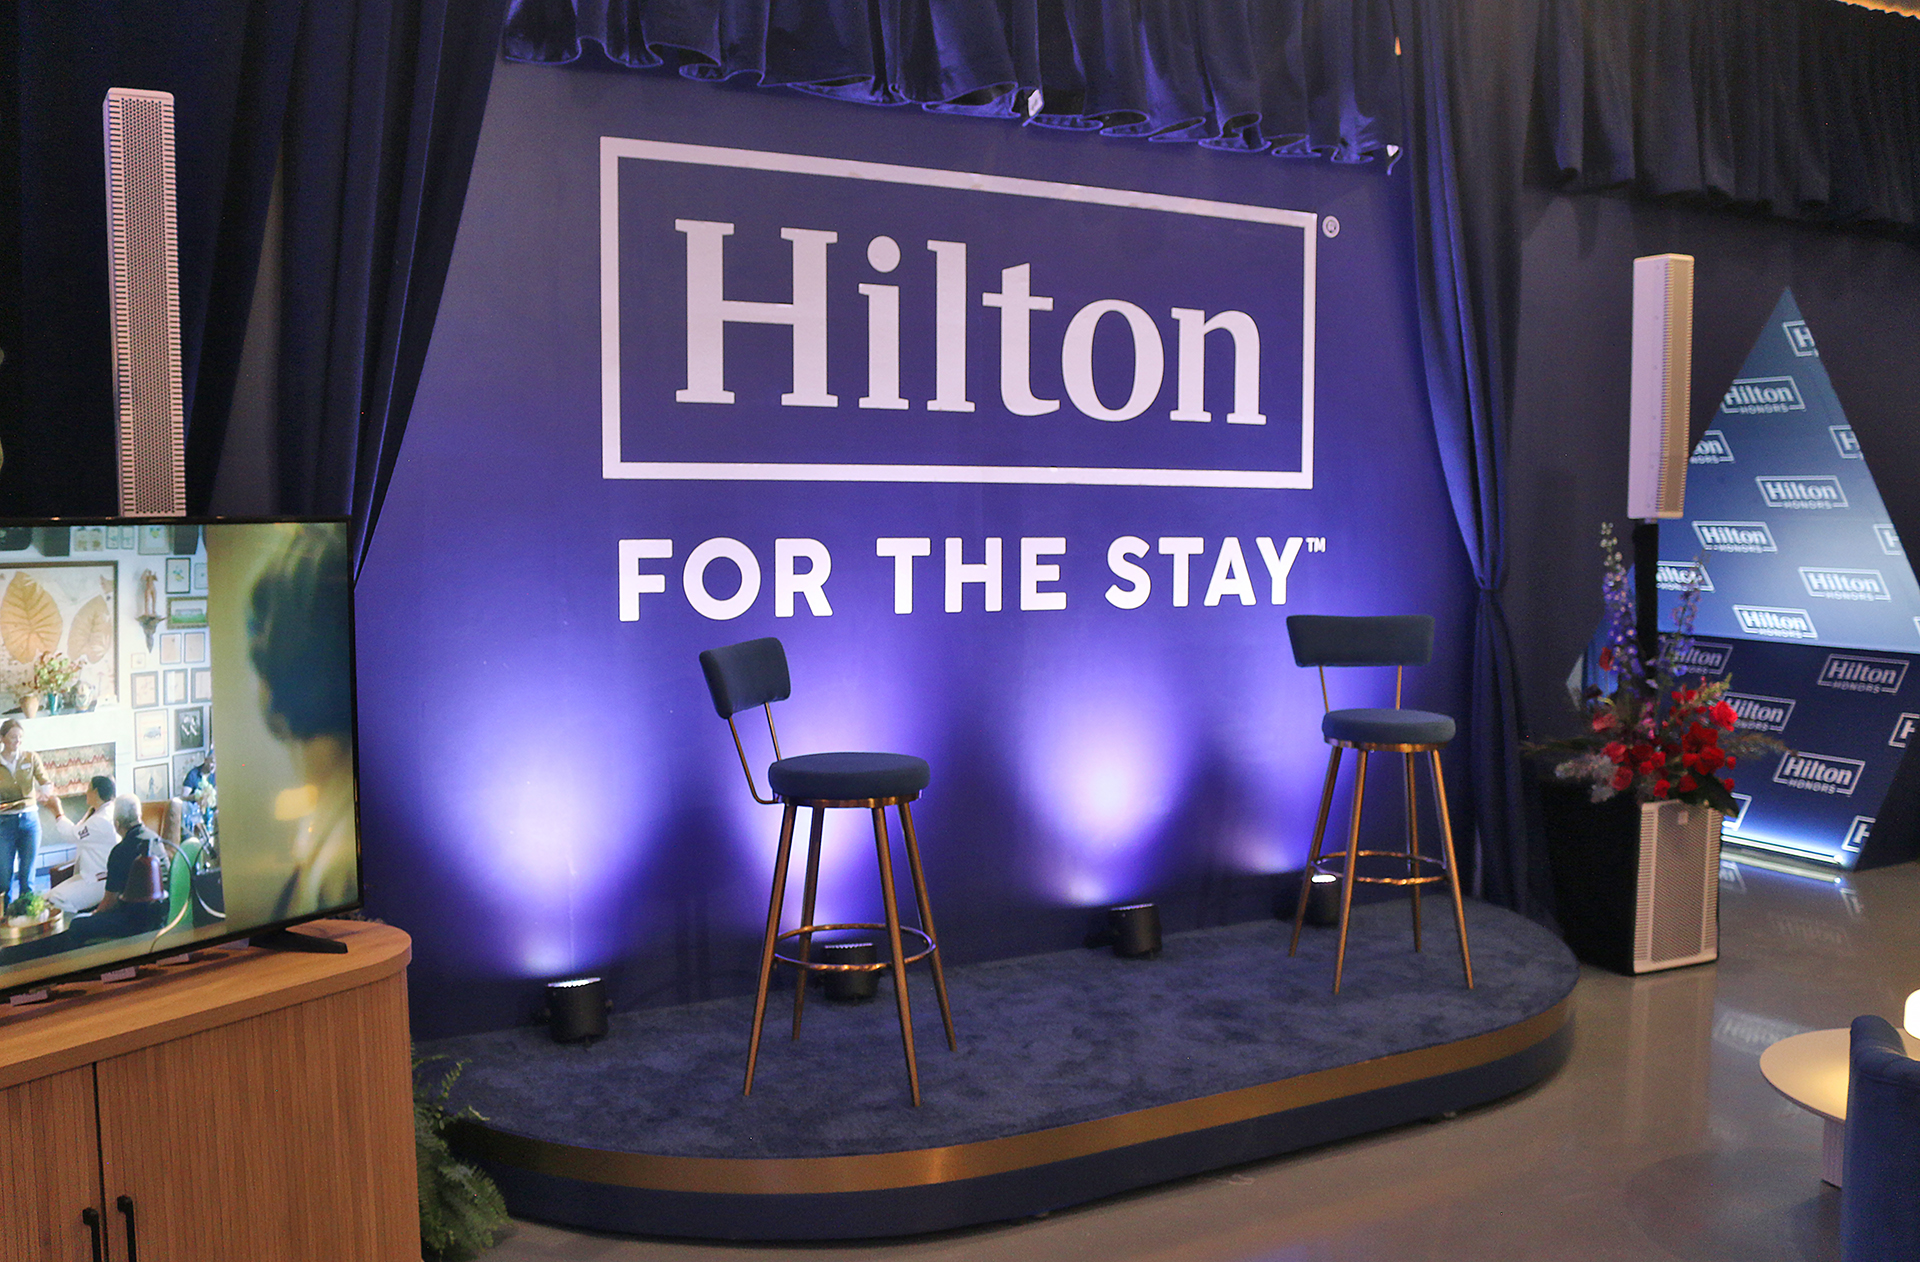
(1078, 1075)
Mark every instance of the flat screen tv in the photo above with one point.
(177, 742)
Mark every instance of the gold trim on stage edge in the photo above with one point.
(879, 1172)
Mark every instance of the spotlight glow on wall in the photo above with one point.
(1103, 762)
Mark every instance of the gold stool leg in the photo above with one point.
(1313, 852)
(893, 941)
(806, 917)
(774, 903)
(1413, 848)
(926, 920)
(1453, 874)
(1346, 874)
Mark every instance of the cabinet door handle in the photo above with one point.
(125, 1205)
(91, 1217)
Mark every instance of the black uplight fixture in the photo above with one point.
(577, 1010)
(850, 987)
(1323, 899)
(1136, 930)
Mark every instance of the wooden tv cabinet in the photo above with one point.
(252, 1106)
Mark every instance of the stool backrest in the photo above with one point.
(742, 676)
(1398, 640)
(1390, 640)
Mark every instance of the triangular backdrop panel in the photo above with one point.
(1808, 604)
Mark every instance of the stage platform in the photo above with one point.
(1079, 1075)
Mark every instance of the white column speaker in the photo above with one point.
(143, 268)
(1662, 385)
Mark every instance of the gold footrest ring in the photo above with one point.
(1324, 865)
(880, 966)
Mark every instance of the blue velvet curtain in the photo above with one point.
(372, 106)
(384, 111)
(1469, 74)
(1293, 77)
(1801, 108)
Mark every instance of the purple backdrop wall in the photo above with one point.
(546, 789)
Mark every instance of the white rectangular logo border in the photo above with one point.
(613, 465)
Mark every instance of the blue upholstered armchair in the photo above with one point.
(1880, 1199)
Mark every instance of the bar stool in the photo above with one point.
(754, 673)
(1321, 641)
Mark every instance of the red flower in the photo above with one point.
(1688, 784)
(1616, 751)
(1724, 715)
(1729, 783)
(1660, 788)
(1622, 778)
(1602, 721)
(1728, 763)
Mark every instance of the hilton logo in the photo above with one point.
(1800, 338)
(1734, 536)
(1779, 624)
(1903, 730)
(1843, 439)
(1761, 714)
(1889, 539)
(1751, 395)
(1855, 672)
(1819, 773)
(1712, 449)
(1680, 576)
(1702, 657)
(1857, 833)
(1845, 584)
(1802, 492)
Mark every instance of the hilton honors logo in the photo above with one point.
(1680, 576)
(1819, 773)
(1903, 730)
(1760, 714)
(1800, 338)
(1752, 395)
(1802, 492)
(1734, 536)
(1889, 539)
(1845, 584)
(1712, 449)
(1779, 624)
(1857, 834)
(1702, 657)
(1845, 442)
(1856, 672)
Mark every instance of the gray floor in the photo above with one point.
(1659, 1140)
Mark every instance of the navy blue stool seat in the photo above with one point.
(1321, 640)
(1386, 727)
(849, 777)
(754, 673)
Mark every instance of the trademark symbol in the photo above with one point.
(1330, 226)
(1316, 544)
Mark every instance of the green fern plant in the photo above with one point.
(461, 1211)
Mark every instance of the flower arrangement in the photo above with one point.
(1651, 735)
(51, 673)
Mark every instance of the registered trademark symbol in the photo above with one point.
(1330, 226)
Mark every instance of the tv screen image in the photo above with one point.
(176, 738)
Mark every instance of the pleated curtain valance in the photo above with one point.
(1290, 77)
(1807, 109)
